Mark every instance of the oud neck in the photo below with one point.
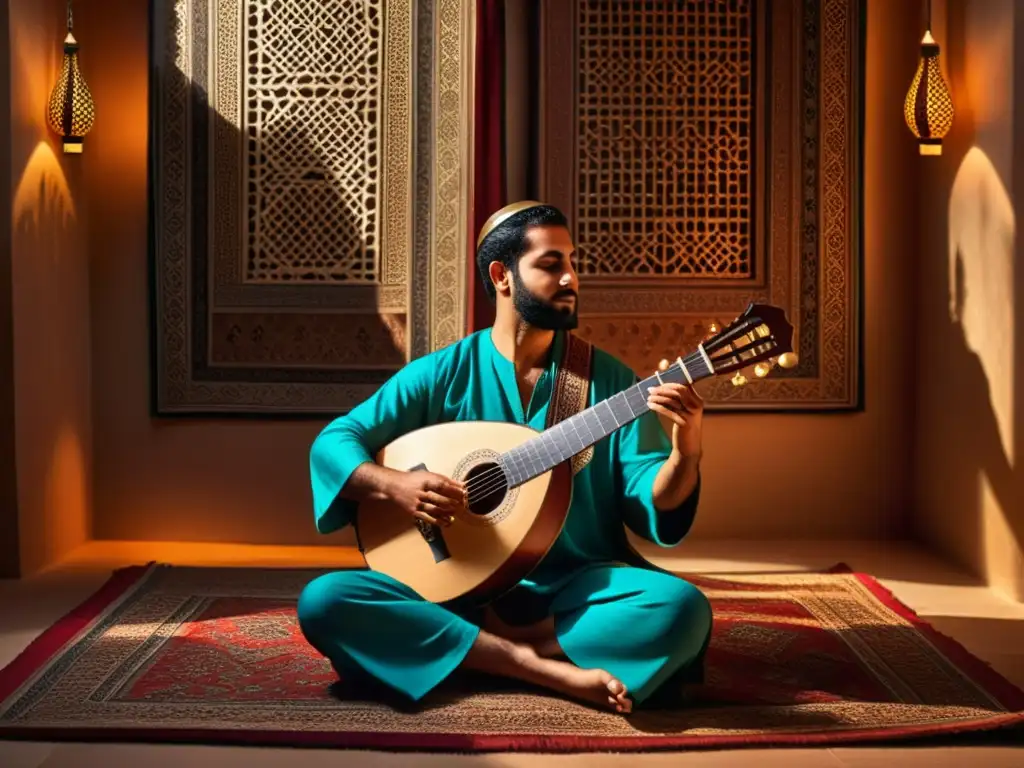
(564, 440)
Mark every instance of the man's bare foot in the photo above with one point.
(593, 685)
(498, 656)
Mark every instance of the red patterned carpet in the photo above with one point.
(215, 656)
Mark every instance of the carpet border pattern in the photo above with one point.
(61, 638)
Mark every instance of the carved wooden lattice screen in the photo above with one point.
(310, 184)
(707, 153)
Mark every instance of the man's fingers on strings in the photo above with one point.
(445, 503)
(685, 396)
(674, 403)
(669, 413)
(669, 389)
(678, 386)
(440, 487)
(441, 484)
(655, 399)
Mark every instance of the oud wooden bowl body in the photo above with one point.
(481, 554)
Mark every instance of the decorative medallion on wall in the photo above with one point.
(310, 188)
(708, 155)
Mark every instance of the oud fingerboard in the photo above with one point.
(567, 438)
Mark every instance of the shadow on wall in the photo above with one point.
(301, 219)
(971, 424)
(297, 182)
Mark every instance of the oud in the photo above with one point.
(519, 479)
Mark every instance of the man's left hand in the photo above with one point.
(680, 406)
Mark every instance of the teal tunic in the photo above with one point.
(612, 610)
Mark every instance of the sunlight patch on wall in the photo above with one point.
(1003, 563)
(982, 233)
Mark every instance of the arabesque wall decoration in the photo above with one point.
(310, 184)
(709, 155)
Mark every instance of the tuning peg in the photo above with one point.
(713, 328)
(762, 369)
(739, 379)
(788, 360)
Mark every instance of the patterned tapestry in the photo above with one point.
(708, 155)
(309, 183)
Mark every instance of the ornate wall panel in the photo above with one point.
(309, 183)
(708, 155)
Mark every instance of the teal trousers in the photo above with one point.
(644, 627)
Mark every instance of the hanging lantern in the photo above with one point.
(70, 111)
(928, 108)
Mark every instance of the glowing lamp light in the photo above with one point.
(928, 108)
(70, 111)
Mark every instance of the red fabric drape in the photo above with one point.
(489, 182)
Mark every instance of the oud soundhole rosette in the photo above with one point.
(490, 499)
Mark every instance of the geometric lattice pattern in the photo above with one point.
(313, 101)
(708, 155)
(310, 159)
(665, 116)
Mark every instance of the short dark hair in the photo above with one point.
(507, 242)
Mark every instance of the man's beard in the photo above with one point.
(543, 314)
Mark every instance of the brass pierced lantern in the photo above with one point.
(70, 111)
(928, 108)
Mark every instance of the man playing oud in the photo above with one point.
(592, 621)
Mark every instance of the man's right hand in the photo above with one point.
(428, 496)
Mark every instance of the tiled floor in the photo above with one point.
(987, 624)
